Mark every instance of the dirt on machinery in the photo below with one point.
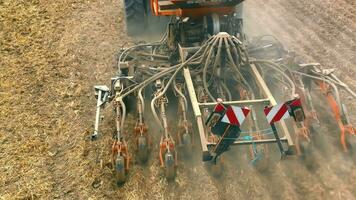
(53, 52)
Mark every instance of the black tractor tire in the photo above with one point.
(141, 23)
(157, 25)
(136, 17)
(120, 172)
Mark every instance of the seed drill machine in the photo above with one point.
(224, 89)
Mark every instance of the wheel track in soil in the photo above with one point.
(344, 58)
(328, 19)
(340, 55)
(327, 56)
(329, 34)
(290, 29)
(307, 36)
(312, 26)
(343, 46)
(282, 26)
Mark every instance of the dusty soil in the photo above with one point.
(53, 52)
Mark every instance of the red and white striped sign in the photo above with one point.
(235, 115)
(295, 103)
(281, 111)
(276, 113)
(219, 107)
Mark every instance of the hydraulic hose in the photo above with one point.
(278, 69)
(223, 85)
(141, 99)
(160, 94)
(235, 67)
(205, 70)
(163, 72)
(180, 93)
(326, 80)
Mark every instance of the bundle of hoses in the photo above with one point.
(219, 51)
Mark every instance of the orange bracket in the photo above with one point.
(325, 88)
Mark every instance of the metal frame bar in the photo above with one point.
(196, 109)
(245, 102)
(269, 99)
(248, 142)
(267, 93)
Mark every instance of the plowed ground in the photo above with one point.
(53, 52)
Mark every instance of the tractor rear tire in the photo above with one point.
(141, 23)
(135, 16)
(157, 24)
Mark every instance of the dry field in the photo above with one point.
(53, 52)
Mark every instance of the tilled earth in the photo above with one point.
(53, 52)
